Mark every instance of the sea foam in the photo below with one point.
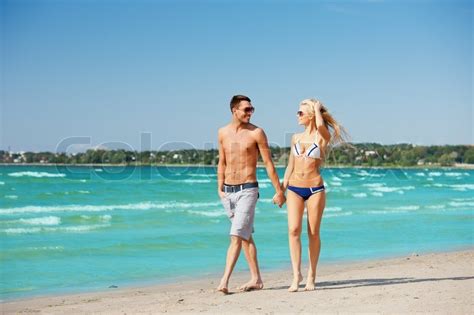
(36, 174)
(340, 214)
(99, 208)
(51, 220)
(196, 181)
(74, 229)
(408, 208)
(220, 213)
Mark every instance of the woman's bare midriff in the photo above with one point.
(306, 174)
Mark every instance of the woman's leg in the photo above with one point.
(315, 206)
(295, 205)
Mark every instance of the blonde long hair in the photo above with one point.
(338, 133)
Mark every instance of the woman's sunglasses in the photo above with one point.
(300, 113)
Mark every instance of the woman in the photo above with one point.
(305, 184)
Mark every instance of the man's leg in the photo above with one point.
(250, 251)
(243, 225)
(232, 255)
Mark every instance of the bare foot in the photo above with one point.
(310, 284)
(223, 287)
(295, 284)
(252, 285)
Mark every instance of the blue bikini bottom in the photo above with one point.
(305, 193)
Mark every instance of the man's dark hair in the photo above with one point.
(236, 99)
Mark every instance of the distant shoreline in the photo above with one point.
(457, 165)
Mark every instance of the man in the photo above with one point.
(239, 145)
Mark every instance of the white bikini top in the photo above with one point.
(313, 151)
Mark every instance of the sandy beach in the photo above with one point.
(441, 283)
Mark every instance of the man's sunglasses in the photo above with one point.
(249, 110)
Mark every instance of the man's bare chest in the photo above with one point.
(239, 145)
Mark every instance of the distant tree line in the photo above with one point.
(360, 154)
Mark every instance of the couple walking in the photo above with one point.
(239, 145)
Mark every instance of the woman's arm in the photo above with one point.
(289, 168)
(320, 125)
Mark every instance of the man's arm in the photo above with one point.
(262, 143)
(220, 166)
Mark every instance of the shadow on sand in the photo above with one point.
(344, 284)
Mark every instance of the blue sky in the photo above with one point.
(389, 71)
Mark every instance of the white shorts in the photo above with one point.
(240, 208)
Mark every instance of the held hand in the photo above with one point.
(279, 199)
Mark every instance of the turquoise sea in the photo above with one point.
(73, 229)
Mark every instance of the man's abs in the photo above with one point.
(235, 176)
(241, 154)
